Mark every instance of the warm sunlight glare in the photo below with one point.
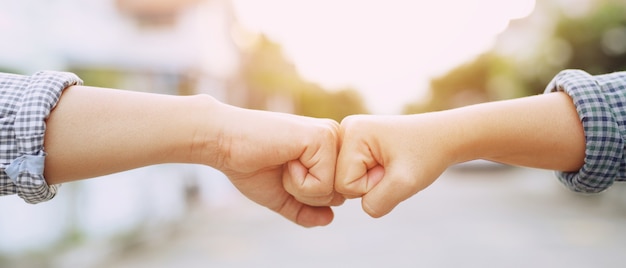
(386, 49)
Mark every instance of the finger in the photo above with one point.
(306, 190)
(310, 216)
(396, 186)
(305, 215)
(353, 177)
(313, 174)
(334, 199)
(337, 200)
(320, 157)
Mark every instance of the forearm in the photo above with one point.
(97, 131)
(540, 131)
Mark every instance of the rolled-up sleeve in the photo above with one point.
(25, 104)
(600, 102)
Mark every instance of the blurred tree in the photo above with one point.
(316, 102)
(598, 41)
(485, 78)
(268, 75)
(265, 72)
(462, 85)
(10, 70)
(594, 42)
(99, 77)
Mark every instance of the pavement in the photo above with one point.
(473, 216)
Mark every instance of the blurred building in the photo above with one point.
(177, 47)
(163, 46)
(166, 46)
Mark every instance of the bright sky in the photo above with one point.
(386, 49)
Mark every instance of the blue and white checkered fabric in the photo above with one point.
(25, 104)
(601, 105)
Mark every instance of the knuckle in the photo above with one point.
(321, 189)
(350, 190)
(313, 187)
(355, 125)
(354, 120)
(349, 119)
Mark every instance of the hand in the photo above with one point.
(284, 162)
(387, 159)
(281, 161)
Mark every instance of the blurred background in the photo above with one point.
(323, 59)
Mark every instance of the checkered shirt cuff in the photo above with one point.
(599, 101)
(25, 104)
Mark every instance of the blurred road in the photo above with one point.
(471, 217)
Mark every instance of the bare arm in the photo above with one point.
(387, 159)
(540, 131)
(284, 162)
(97, 131)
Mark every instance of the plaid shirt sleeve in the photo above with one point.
(600, 102)
(25, 103)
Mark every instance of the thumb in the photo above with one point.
(357, 171)
(395, 186)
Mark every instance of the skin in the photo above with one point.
(283, 162)
(387, 159)
(300, 166)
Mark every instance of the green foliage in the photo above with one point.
(10, 70)
(267, 74)
(265, 69)
(317, 102)
(99, 77)
(595, 43)
(485, 78)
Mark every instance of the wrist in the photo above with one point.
(442, 137)
(208, 143)
(464, 139)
